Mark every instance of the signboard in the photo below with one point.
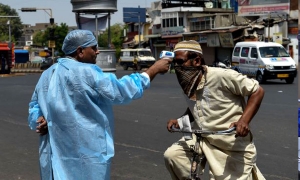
(277, 37)
(136, 15)
(28, 43)
(226, 39)
(51, 44)
(203, 38)
(43, 54)
(262, 7)
(213, 40)
(194, 37)
(171, 31)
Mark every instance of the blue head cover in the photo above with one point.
(78, 38)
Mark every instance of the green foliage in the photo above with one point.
(60, 33)
(15, 24)
(42, 37)
(39, 39)
(116, 34)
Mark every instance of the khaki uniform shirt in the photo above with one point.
(220, 100)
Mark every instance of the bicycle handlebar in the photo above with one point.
(227, 131)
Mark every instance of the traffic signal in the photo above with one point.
(30, 9)
(51, 34)
(269, 22)
(51, 21)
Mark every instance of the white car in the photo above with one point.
(37, 59)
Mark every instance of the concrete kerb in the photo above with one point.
(27, 68)
(11, 75)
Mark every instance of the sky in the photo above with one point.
(62, 10)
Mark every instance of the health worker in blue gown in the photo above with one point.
(71, 107)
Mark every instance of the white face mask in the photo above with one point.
(187, 78)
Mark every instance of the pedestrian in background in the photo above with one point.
(71, 107)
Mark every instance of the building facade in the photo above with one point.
(216, 26)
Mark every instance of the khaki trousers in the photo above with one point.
(223, 165)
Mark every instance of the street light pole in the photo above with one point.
(9, 27)
(9, 31)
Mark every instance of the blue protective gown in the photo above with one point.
(76, 99)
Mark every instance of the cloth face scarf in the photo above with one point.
(187, 78)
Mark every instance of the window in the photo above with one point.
(125, 53)
(202, 23)
(253, 52)
(180, 21)
(245, 52)
(170, 22)
(271, 51)
(145, 53)
(133, 53)
(171, 19)
(236, 51)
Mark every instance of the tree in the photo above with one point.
(116, 33)
(15, 24)
(60, 32)
(39, 38)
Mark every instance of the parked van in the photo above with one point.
(136, 58)
(263, 61)
(293, 50)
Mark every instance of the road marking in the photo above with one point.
(137, 147)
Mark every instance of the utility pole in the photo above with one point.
(9, 31)
(269, 23)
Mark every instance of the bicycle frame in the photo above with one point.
(196, 159)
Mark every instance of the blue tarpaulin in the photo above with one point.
(21, 56)
(21, 51)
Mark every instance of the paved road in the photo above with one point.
(140, 134)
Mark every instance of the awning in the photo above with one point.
(172, 36)
(189, 33)
(221, 30)
(130, 42)
(152, 36)
(142, 42)
(4, 48)
(198, 15)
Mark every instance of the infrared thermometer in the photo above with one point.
(167, 54)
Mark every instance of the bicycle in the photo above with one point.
(196, 159)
